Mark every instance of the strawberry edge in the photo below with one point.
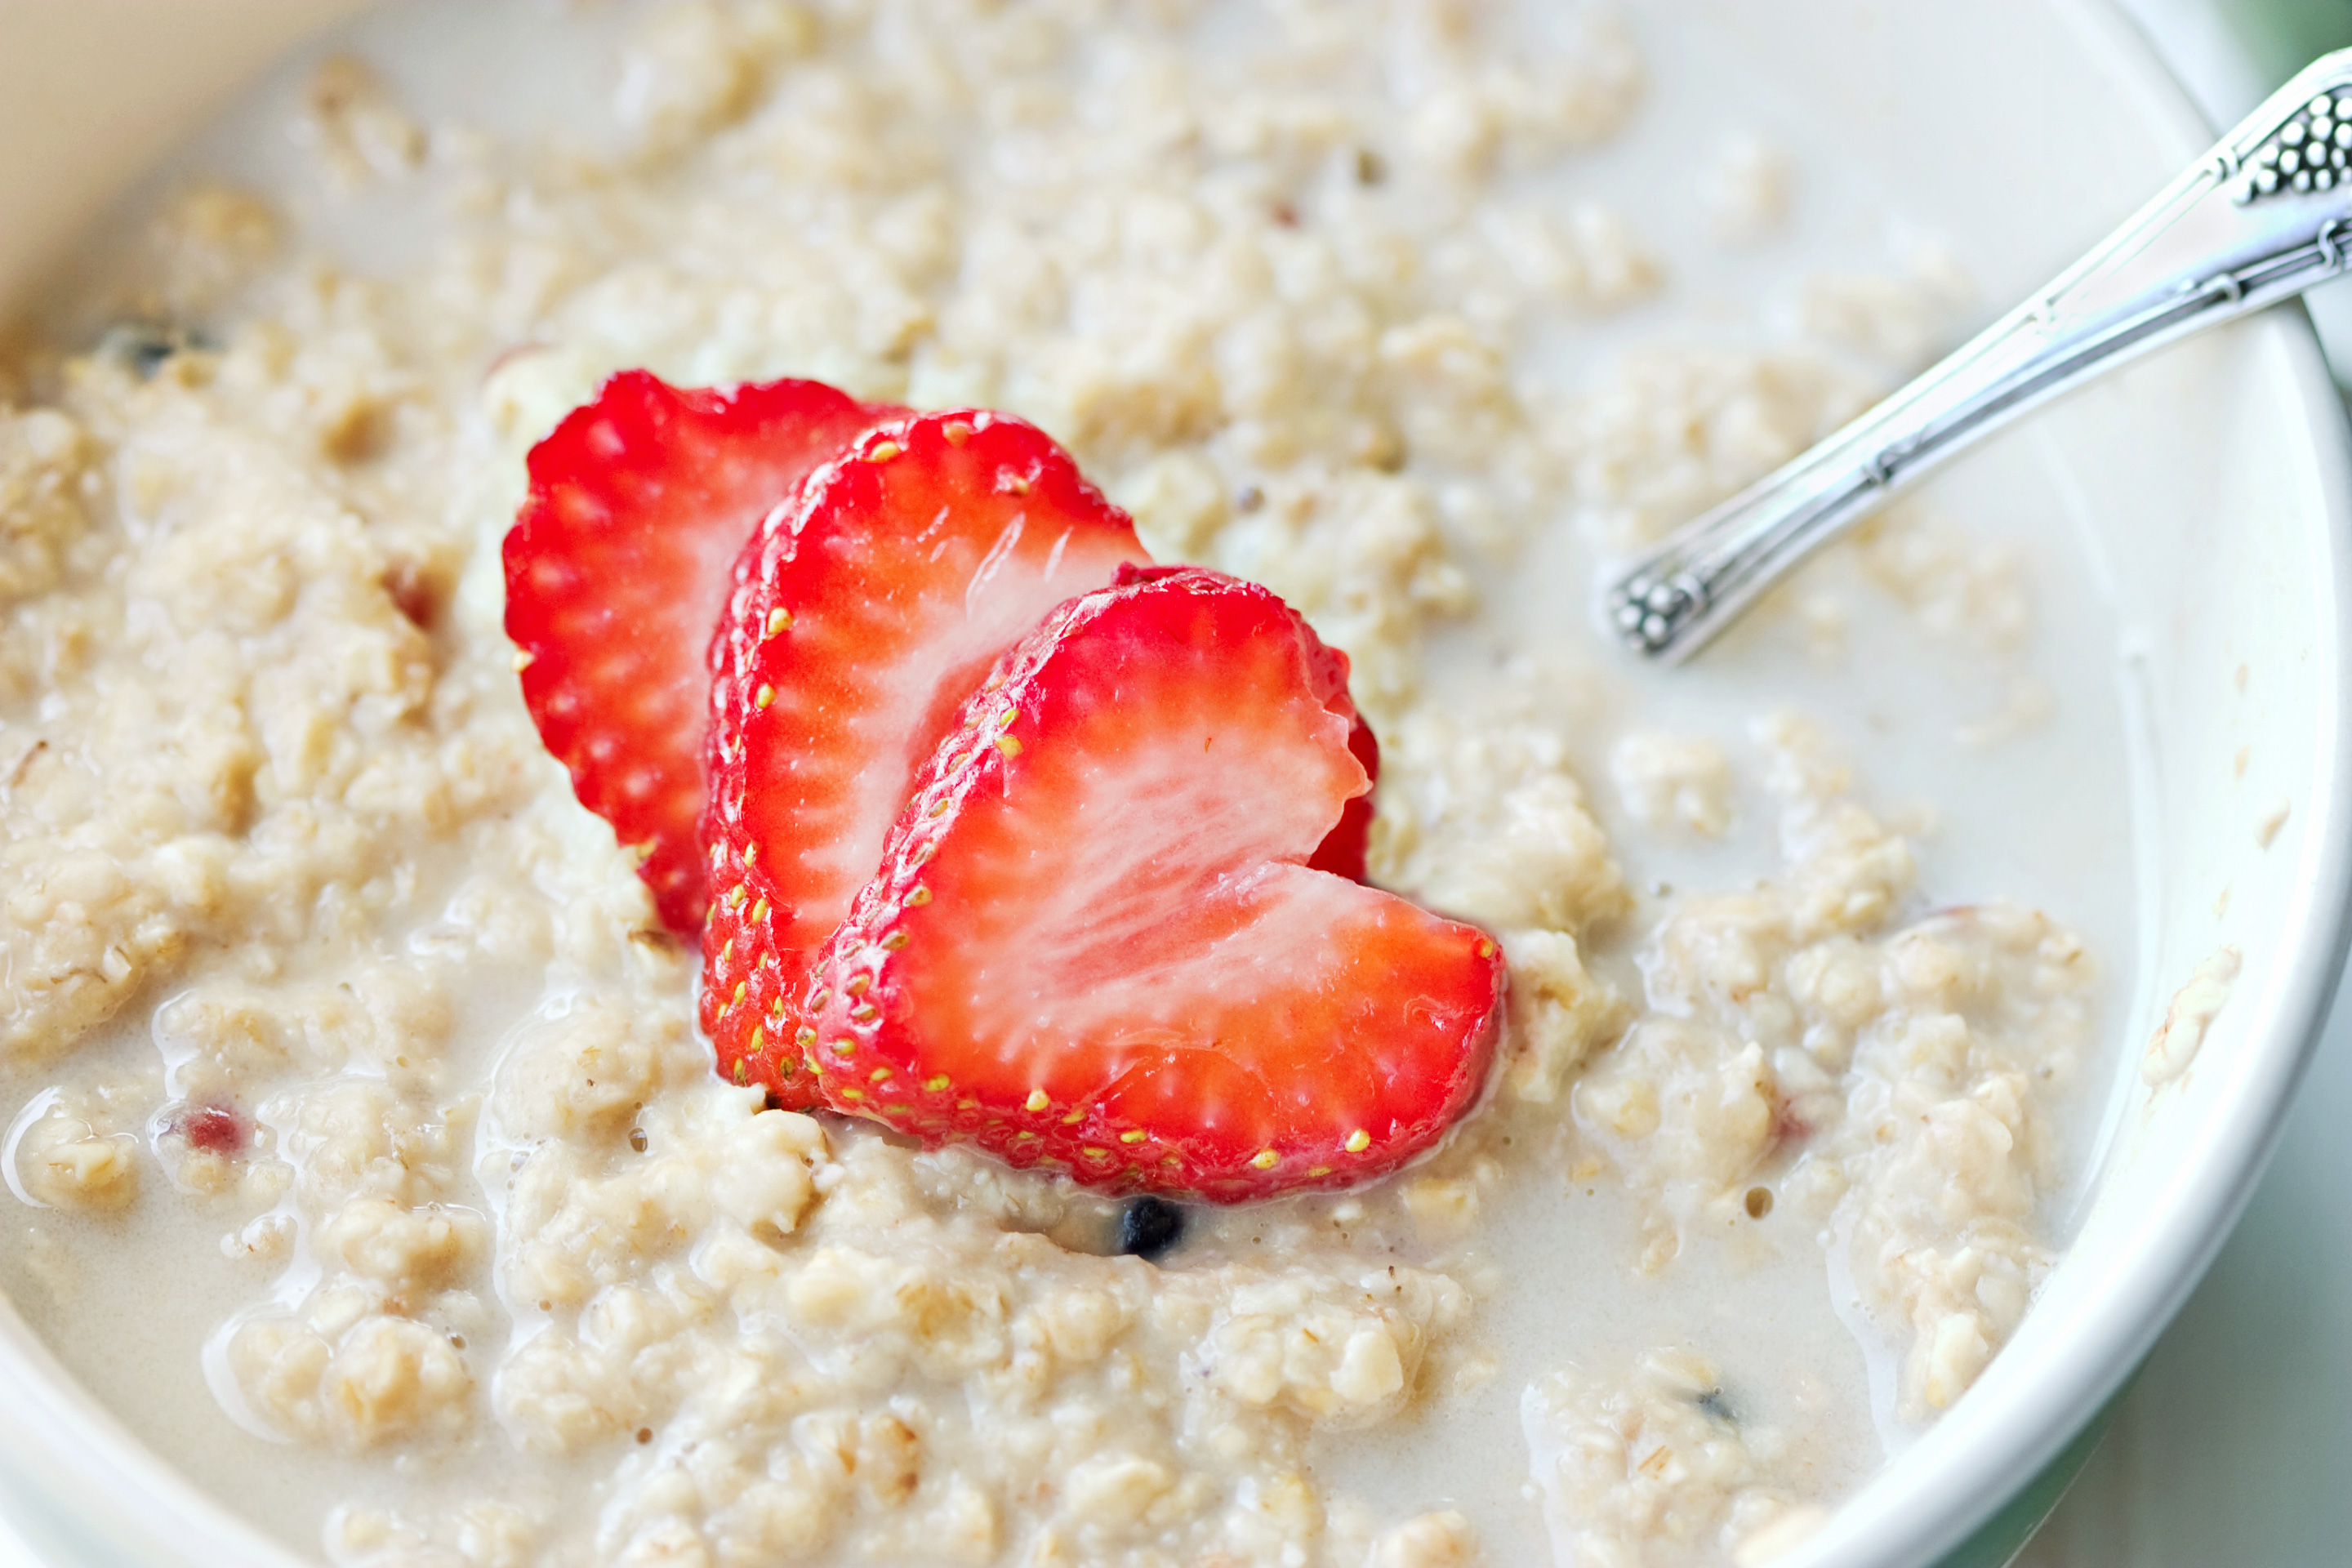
(913, 838)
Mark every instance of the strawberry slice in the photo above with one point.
(861, 621)
(617, 570)
(1096, 942)
(1343, 850)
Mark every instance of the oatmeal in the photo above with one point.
(319, 991)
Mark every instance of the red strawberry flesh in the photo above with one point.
(1095, 940)
(617, 571)
(1344, 848)
(860, 624)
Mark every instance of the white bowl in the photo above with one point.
(2211, 483)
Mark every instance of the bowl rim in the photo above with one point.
(1972, 1485)
(1950, 1514)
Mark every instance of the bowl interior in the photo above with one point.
(2205, 490)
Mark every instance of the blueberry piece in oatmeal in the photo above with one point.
(1150, 1228)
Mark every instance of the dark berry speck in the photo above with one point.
(143, 346)
(1151, 1227)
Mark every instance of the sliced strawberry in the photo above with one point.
(1343, 852)
(1095, 942)
(1343, 849)
(860, 623)
(617, 570)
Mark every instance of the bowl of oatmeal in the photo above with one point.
(1900, 1000)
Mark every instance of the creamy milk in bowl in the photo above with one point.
(1900, 998)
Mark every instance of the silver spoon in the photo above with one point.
(2264, 216)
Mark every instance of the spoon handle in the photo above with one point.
(2264, 216)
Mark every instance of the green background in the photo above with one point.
(2282, 35)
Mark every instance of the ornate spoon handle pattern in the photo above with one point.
(2264, 216)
